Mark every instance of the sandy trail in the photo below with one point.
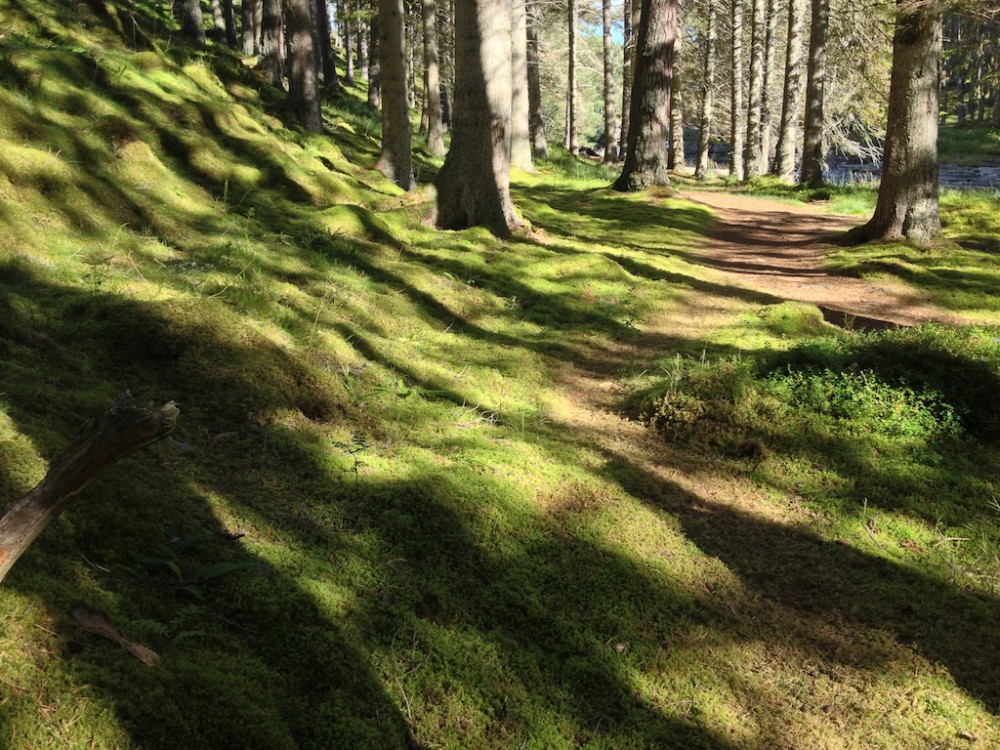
(768, 246)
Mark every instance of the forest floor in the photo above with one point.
(642, 476)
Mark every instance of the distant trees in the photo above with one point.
(835, 63)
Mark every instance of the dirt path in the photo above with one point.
(773, 247)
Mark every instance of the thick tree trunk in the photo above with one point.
(610, 136)
(539, 144)
(813, 150)
(374, 64)
(188, 15)
(707, 94)
(121, 430)
(520, 112)
(272, 50)
(251, 31)
(395, 161)
(767, 92)
(628, 66)
(646, 157)
(737, 127)
(303, 63)
(474, 183)
(791, 101)
(752, 153)
(908, 195)
(572, 108)
(432, 96)
(675, 154)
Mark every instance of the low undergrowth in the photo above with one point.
(894, 430)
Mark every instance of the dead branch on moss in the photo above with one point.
(103, 440)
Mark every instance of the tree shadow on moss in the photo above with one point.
(258, 661)
(818, 579)
(262, 661)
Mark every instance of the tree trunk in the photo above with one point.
(738, 123)
(539, 144)
(813, 151)
(675, 154)
(363, 38)
(646, 157)
(251, 32)
(344, 21)
(908, 195)
(326, 61)
(752, 153)
(628, 66)
(767, 92)
(474, 183)
(572, 110)
(218, 23)
(272, 51)
(520, 113)
(708, 94)
(303, 62)
(188, 15)
(610, 136)
(121, 430)
(410, 46)
(791, 101)
(395, 162)
(432, 96)
(374, 64)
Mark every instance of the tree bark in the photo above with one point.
(272, 51)
(767, 92)
(325, 43)
(752, 153)
(303, 62)
(610, 136)
(572, 108)
(813, 151)
(675, 154)
(188, 15)
(432, 96)
(539, 144)
(520, 113)
(737, 128)
(791, 101)
(646, 157)
(908, 195)
(344, 21)
(374, 64)
(218, 23)
(474, 183)
(707, 95)
(251, 31)
(395, 161)
(628, 66)
(362, 45)
(121, 430)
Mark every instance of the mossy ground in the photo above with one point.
(448, 544)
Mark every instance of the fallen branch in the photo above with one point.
(104, 440)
